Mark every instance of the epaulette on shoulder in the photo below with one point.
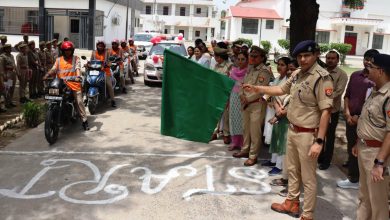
(323, 73)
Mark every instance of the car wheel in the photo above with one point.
(147, 83)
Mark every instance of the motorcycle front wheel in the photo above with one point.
(51, 126)
(92, 106)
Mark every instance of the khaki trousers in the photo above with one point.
(373, 197)
(22, 76)
(301, 170)
(78, 96)
(110, 90)
(252, 131)
(11, 91)
(33, 84)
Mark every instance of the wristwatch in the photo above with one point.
(379, 162)
(320, 141)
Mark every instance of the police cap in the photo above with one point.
(31, 42)
(2, 37)
(21, 45)
(381, 60)
(220, 51)
(42, 43)
(305, 46)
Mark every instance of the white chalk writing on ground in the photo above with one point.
(118, 192)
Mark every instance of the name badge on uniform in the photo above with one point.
(328, 91)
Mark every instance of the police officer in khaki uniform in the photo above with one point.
(49, 56)
(8, 69)
(373, 145)
(311, 102)
(223, 66)
(3, 41)
(33, 64)
(340, 80)
(253, 106)
(42, 68)
(22, 71)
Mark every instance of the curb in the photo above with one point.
(9, 123)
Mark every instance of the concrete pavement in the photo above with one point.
(124, 169)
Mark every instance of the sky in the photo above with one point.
(224, 4)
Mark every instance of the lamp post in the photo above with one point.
(127, 19)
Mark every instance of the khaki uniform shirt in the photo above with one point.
(33, 60)
(258, 76)
(340, 80)
(311, 92)
(374, 122)
(22, 62)
(7, 65)
(223, 68)
(49, 59)
(42, 59)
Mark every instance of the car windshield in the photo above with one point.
(177, 48)
(142, 37)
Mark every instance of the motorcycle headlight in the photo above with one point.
(149, 67)
(54, 91)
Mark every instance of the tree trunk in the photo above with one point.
(303, 21)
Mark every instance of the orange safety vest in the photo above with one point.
(134, 47)
(119, 53)
(102, 57)
(65, 68)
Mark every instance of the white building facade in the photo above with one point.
(194, 19)
(69, 18)
(269, 20)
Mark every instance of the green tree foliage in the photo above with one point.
(266, 45)
(285, 44)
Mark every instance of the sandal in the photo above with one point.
(232, 148)
(250, 162)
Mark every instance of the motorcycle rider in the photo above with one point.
(115, 50)
(102, 54)
(134, 62)
(69, 65)
(126, 49)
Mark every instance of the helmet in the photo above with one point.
(67, 45)
(100, 42)
(131, 39)
(123, 41)
(115, 41)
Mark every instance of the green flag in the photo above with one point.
(193, 98)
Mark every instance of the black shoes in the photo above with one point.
(323, 166)
(85, 125)
(268, 163)
(124, 91)
(113, 104)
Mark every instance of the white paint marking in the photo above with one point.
(110, 153)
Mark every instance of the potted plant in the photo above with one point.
(32, 114)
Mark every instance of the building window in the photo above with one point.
(197, 33)
(165, 31)
(212, 32)
(148, 10)
(182, 11)
(99, 23)
(74, 26)
(181, 32)
(377, 42)
(250, 26)
(349, 28)
(1, 19)
(322, 37)
(269, 24)
(165, 10)
(198, 11)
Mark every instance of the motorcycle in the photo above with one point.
(95, 85)
(61, 109)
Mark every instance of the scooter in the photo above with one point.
(95, 85)
(116, 73)
(128, 67)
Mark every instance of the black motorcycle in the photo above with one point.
(61, 109)
(115, 69)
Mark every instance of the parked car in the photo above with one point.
(142, 40)
(154, 62)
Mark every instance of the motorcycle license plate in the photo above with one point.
(48, 97)
(94, 73)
